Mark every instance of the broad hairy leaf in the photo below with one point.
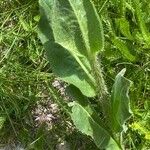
(75, 24)
(120, 101)
(72, 33)
(89, 23)
(87, 120)
(84, 122)
(62, 62)
(66, 67)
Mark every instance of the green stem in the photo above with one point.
(102, 91)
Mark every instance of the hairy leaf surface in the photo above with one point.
(84, 121)
(89, 23)
(87, 120)
(62, 31)
(120, 101)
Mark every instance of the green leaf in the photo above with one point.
(124, 27)
(89, 23)
(75, 24)
(121, 45)
(24, 24)
(140, 20)
(71, 40)
(66, 67)
(84, 122)
(62, 62)
(89, 121)
(2, 120)
(120, 101)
